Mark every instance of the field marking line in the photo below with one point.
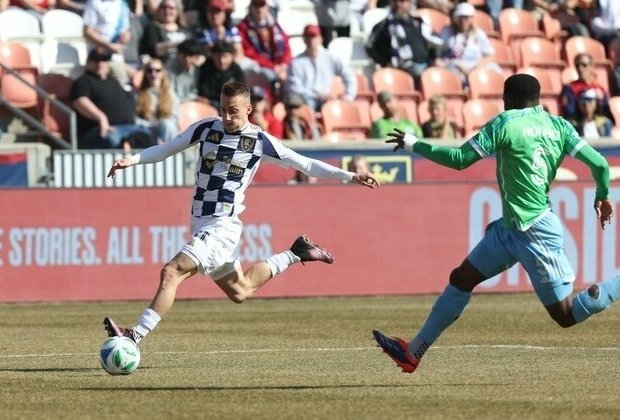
(324, 349)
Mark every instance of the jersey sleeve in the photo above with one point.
(572, 142)
(485, 142)
(275, 152)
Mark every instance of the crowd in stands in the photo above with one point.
(313, 65)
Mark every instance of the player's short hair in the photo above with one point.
(235, 88)
(522, 88)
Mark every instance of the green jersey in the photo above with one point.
(530, 145)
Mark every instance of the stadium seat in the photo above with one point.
(484, 21)
(371, 17)
(502, 55)
(293, 21)
(439, 80)
(351, 51)
(363, 88)
(64, 45)
(477, 112)
(23, 27)
(346, 118)
(550, 86)
(614, 106)
(540, 52)
(553, 30)
(433, 17)
(581, 44)
(192, 111)
(398, 82)
(297, 45)
(253, 78)
(58, 86)
(517, 23)
(17, 57)
(485, 83)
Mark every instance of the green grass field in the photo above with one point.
(310, 359)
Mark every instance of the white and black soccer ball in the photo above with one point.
(119, 355)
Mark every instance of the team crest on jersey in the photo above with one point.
(246, 143)
(210, 159)
(214, 137)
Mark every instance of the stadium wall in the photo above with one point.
(103, 244)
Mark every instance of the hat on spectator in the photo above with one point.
(217, 5)
(222, 46)
(189, 47)
(257, 93)
(312, 30)
(384, 96)
(464, 9)
(588, 94)
(259, 3)
(292, 100)
(99, 54)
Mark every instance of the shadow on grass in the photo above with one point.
(276, 387)
(35, 370)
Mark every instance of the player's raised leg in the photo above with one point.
(240, 285)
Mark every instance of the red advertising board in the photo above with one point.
(400, 239)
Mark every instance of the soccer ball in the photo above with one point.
(119, 356)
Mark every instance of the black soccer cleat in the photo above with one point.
(306, 250)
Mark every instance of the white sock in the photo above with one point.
(147, 322)
(279, 262)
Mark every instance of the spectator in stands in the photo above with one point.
(35, 7)
(333, 16)
(606, 24)
(439, 126)
(400, 40)
(391, 120)
(586, 80)
(107, 25)
(215, 26)
(589, 121)
(358, 163)
(162, 36)
(465, 46)
(4, 4)
(261, 113)
(265, 42)
(217, 70)
(156, 104)
(105, 111)
(183, 70)
(311, 73)
(296, 126)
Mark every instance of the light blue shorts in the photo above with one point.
(540, 250)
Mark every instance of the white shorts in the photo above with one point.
(214, 246)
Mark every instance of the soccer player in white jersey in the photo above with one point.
(230, 150)
(529, 145)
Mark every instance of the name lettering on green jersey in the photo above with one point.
(533, 131)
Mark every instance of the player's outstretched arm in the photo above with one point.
(600, 172)
(120, 164)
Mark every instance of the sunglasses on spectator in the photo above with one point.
(582, 64)
(154, 69)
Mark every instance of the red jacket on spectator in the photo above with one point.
(266, 44)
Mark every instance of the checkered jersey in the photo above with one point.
(227, 163)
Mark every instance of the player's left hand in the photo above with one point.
(604, 211)
(397, 137)
(119, 164)
(367, 180)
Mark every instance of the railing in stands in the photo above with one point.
(71, 142)
(89, 169)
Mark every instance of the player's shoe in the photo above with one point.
(306, 250)
(396, 348)
(114, 330)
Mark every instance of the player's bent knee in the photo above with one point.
(170, 275)
(564, 321)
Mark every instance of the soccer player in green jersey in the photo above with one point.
(529, 145)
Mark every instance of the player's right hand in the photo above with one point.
(119, 164)
(397, 136)
(604, 211)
